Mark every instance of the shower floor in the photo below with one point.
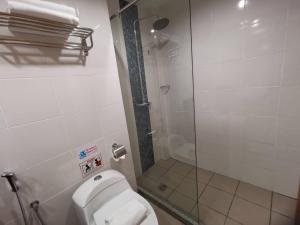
(222, 200)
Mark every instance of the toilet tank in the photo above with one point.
(93, 193)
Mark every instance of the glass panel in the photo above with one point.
(157, 44)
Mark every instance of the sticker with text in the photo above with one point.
(87, 152)
(90, 165)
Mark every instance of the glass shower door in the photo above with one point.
(157, 45)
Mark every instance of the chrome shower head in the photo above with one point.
(161, 23)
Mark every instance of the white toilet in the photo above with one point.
(108, 199)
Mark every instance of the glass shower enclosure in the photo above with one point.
(153, 49)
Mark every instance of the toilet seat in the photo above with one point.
(112, 205)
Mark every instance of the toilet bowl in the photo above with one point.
(108, 199)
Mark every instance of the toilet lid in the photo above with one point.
(119, 203)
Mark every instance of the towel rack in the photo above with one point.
(46, 27)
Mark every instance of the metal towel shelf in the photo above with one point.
(46, 28)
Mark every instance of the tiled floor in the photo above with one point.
(221, 200)
(164, 218)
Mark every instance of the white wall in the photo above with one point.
(246, 67)
(51, 105)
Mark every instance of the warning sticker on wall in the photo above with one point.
(84, 154)
(90, 165)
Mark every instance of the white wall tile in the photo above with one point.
(289, 106)
(293, 11)
(83, 127)
(262, 71)
(257, 176)
(48, 178)
(291, 69)
(274, 11)
(256, 101)
(230, 75)
(265, 38)
(231, 44)
(286, 178)
(289, 132)
(60, 206)
(110, 91)
(247, 113)
(112, 118)
(226, 15)
(7, 145)
(37, 142)
(261, 129)
(20, 61)
(27, 100)
(205, 101)
(205, 76)
(290, 154)
(74, 94)
(2, 121)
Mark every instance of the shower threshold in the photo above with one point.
(178, 214)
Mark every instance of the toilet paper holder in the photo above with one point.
(118, 152)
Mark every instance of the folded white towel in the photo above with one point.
(131, 213)
(44, 12)
(52, 5)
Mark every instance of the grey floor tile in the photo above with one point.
(155, 172)
(181, 168)
(164, 218)
(155, 187)
(216, 199)
(168, 163)
(208, 216)
(224, 183)
(254, 194)
(171, 179)
(231, 222)
(188, 188)
(248, 213)
(277, 219)
(284, 205)
(181, 202)
(203, 175)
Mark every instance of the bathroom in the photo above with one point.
(192, 104)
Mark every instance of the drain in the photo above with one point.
(162, 187)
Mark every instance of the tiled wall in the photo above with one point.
(247, 80)
(51, 104)
(136, 72)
